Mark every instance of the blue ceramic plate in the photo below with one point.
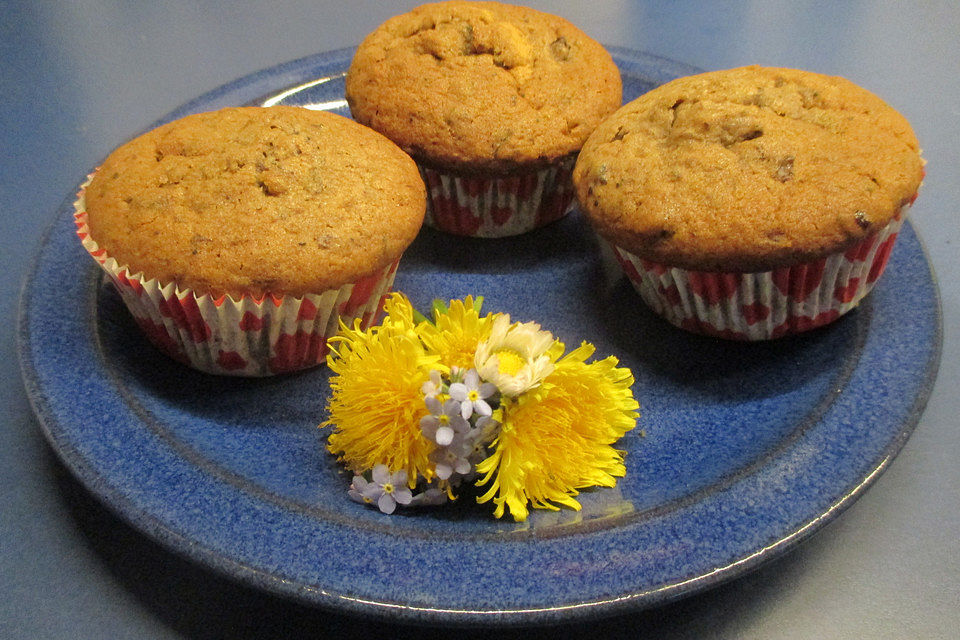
(742, 451)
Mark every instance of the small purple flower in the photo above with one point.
(481, 436)
(472, 395)
(428, 497)
(357, 487)
(453, 458)
(387, 489)
(443, 422)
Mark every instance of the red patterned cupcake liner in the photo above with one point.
(768, 304)
(252, 336)
(497, 206)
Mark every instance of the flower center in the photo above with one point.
(444, 419)
(509, 361)
(473, 395)
(388, 488)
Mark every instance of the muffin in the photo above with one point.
(240, 238)
(754, 202)
(493, 101)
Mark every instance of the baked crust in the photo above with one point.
(747, 169)
(252, 200)
(482, 87)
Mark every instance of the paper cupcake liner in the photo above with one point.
(252, 336)
(497, 206)
(768, 304)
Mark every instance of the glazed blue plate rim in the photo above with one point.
(42, 382)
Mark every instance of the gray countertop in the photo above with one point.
(77, 79)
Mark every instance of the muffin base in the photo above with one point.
(250, 336)
(763, 305)
(497, 206)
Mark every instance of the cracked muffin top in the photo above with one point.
(482, 86)
(747, 169)
(254, 200)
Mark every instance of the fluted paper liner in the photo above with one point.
(768, 304)
(247, 337)
(495, 206)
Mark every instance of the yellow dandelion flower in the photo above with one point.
(455, 335)
(376, 401)
(557, 438)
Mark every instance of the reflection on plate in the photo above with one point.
(743, 449)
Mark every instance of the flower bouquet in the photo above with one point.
(422, 409)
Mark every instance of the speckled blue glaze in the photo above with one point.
(743, 449)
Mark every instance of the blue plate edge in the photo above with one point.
(189, 549)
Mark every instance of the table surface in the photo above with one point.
(77, 79)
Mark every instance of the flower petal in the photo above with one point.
(429, 429)
(451, 408)
(403, 495)
(458, 391)
(483, 408)
(472, 379)
(387, 504)
(372, 492)
(433, 405)
(431, 496)
(444, 436)
(399, 478)
(460, 425)
(381, 475)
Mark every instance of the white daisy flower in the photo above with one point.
(514, 357)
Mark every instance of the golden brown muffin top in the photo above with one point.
(482, 86)
(257, 200)
(747, 169)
